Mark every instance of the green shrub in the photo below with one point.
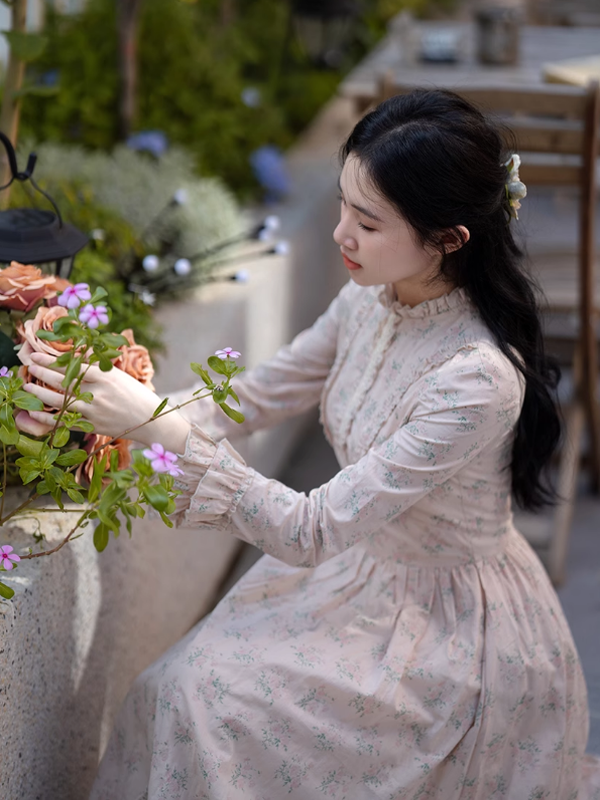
(193, 68)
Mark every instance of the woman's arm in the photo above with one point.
(282, 387)
(465, 406)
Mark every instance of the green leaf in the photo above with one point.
(61, 437)
(105, 363)
(219, 395)
(75, 496)
(29, 475)
(72, 457)
(199, 370)
(42, 487)
(218, 365)
(47, 336)
(27, 401)
(64, 359)
(85, 397)
(231, 393)
(83, 425)
(101, 537)
(6, 592)
(160, 407)
(157, 497)
(72, 371)
(25, 46)
(96, 482)
(236, 416)
(65, 325)
(8, 436)
(99, 294)
(114, 340)
(29, 447)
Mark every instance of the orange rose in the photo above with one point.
(92, 441)
(23, 285)
(43, 320)
(135, 360)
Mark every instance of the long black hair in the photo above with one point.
(441, 163)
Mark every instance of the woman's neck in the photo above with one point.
(412, 293)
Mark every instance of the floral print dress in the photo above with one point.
(399, 640)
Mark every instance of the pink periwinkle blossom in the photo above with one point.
(73, 296)
(4, 372)
(162, 460)
(92, 316)
(7, 557)
(227, 352)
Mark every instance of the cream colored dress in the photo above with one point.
(400, 640)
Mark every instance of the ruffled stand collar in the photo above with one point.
(457, 298)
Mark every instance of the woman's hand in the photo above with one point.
(120, 404)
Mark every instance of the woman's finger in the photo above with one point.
(47, 396)
(40, 425)
(50, 377)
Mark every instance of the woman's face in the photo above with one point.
(378, 246)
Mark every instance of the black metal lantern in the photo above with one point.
(33, 235)
(324, 27)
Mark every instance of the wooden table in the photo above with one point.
(538, 45)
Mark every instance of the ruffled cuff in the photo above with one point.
(215, 478)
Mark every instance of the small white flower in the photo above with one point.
(242, 276)
(282, 248)
(182, 266)
(148, 298)
(264, 235)
(98, 235)
(251, 97)
(180, 197)
(517, 189)
(272, 222)
(150, 263)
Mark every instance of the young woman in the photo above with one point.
(399, 639)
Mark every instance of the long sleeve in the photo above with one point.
(470, 403)
(282, 387)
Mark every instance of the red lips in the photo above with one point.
(350, 264)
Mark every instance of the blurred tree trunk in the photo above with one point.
(228, 13)
(128, 16)
(11, 101)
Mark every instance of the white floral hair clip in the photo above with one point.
(515, 188)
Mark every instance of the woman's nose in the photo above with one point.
(342, 237)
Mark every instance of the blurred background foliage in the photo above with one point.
(196, 65)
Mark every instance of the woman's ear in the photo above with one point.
(455, 238)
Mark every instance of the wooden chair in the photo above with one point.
(556, 130)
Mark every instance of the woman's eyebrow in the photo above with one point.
(362, 210)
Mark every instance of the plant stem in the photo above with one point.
(64, 541)
(124, 434)
(4, 467)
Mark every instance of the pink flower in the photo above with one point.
(4, 372)
(7, 557)
(227, 352)
(93, 316)
(73, 296)
(162, 460)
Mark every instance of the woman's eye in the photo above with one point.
(364, 227)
